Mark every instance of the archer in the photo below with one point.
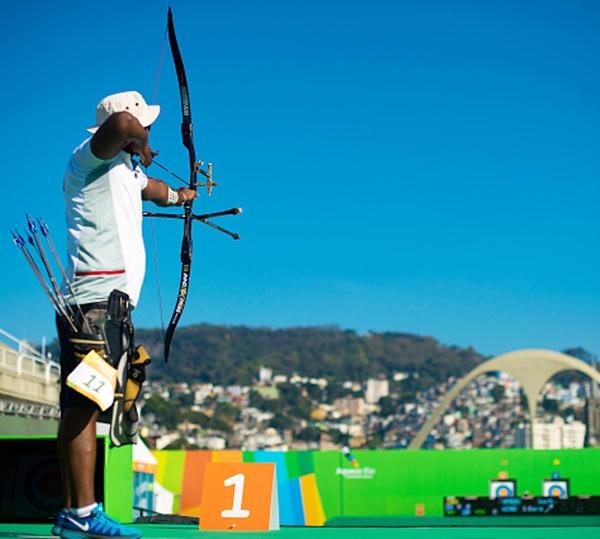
(103, 191)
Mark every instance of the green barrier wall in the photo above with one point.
(316, 488)
(118, 481)
(407, 483)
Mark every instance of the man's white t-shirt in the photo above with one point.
(103, 203)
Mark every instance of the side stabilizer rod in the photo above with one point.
(197, 217)
(203, 218)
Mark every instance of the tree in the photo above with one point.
(167, 414)
(387, 406)
(550, 405)
(498, 393)
(310, 433)
(281, 422)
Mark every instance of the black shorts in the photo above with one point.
(96, 316)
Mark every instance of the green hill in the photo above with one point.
(234, 354)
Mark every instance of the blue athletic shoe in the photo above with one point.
(58, 522)
(97, 525)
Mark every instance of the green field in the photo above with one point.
(39, 531)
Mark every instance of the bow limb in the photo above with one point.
(186, 263)
(186, 109)
(187, 139)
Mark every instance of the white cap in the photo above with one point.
(132, 102)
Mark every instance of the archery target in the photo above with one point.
(505, 488)
(556, 488)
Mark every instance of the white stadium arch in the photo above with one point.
(532, 368)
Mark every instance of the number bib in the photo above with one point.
(95, 379)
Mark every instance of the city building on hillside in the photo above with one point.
(573, 435)
(348, 406)
(201, 392)
(376, 389)
(488, 413)
(215, 443)
(265, 375)
(593, 421)
(400, 376)
(547, 436)
(355, 387)
(558, 435)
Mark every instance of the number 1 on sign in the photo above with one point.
(236, 511)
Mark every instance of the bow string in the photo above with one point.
(195, 167)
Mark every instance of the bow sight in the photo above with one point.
(209, 185)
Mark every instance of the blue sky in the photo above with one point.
(427, 167)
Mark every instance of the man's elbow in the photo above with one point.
(123, 124)
(113, 135)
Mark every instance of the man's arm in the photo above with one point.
(122, 131)
(161, 194)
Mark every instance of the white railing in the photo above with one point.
(27, 409)
(26, 360)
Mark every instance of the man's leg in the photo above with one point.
(77, 447)
(62, 462)
(59, 518)
(76, 439)
(77, 451)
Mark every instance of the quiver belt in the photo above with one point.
(84, 343)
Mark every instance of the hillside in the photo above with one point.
(233, 354)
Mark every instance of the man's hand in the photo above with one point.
(144, 152)
(158, 192)
(186, 195)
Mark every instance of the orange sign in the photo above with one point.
(239, 496)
